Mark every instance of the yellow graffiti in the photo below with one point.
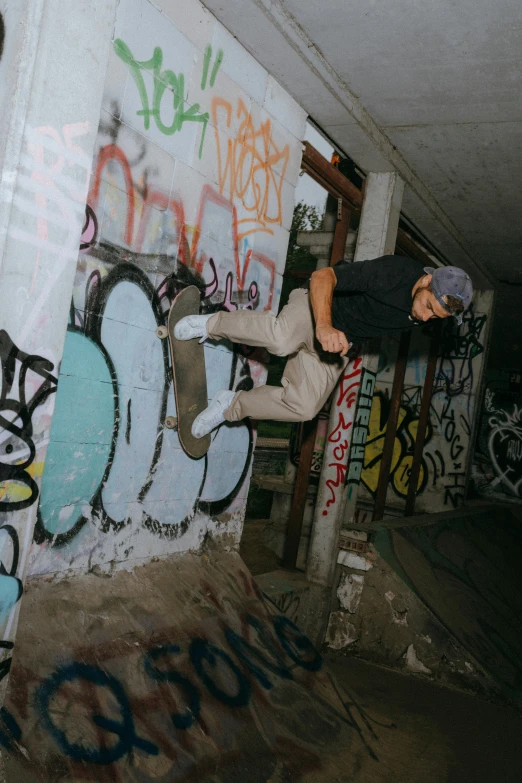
(13, 491)
(402, 450)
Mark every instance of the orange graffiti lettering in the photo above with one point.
(251, 168)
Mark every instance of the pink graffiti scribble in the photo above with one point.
(228, 304)
(338, 442)
(90, 229)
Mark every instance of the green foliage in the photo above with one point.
(306, 217)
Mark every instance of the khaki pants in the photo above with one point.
(310, 373)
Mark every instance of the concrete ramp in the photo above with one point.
(465, 566)
(177, 671)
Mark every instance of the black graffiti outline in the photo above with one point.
(2, 34)
(405, 439)
(90, 215)
(23, 409)
(126, 266)
(461, 346)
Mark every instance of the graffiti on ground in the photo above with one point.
(170, 705)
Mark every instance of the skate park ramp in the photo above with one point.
(465, 567)
(181, 670)
(177, 671)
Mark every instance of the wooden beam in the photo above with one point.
(330, 178)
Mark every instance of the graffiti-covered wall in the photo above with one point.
(445, 461)
(192, 182)
(497, 461)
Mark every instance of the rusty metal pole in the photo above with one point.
(391, 426)
(427, 393)
(295, 521)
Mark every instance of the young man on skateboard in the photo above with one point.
(347, 303)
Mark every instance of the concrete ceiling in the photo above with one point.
(431, 89)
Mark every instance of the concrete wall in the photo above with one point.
(497, 461)
(193, 176)
(51, 94)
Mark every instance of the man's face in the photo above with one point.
(425, 306)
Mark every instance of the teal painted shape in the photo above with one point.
(9, 595)
(81, 434)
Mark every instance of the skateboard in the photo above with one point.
(188, 370)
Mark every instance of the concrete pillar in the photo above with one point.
(376, 237)
(52, 73)
(380, 216)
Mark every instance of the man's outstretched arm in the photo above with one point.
(322, 284)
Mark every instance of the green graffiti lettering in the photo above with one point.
(206, 65)
(167, 80)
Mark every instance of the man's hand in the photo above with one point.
(332, 340)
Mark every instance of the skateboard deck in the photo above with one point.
(188, 370)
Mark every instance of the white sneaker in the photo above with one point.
(192, 326)
(212, 417)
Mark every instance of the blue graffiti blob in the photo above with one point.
(81, 434)
(202, 651)
(10, 732)
(123, 729)
(246, 652)
(10, 586)
(10, 592)
(181, 720)
(296, 644)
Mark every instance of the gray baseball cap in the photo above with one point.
(451, 281)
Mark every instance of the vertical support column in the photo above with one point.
(48, 148)
(376, 237)
(295, 521)
(380, 216)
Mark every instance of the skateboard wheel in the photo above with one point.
(162, 332)
(171, 422)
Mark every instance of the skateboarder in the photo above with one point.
(347, 303)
